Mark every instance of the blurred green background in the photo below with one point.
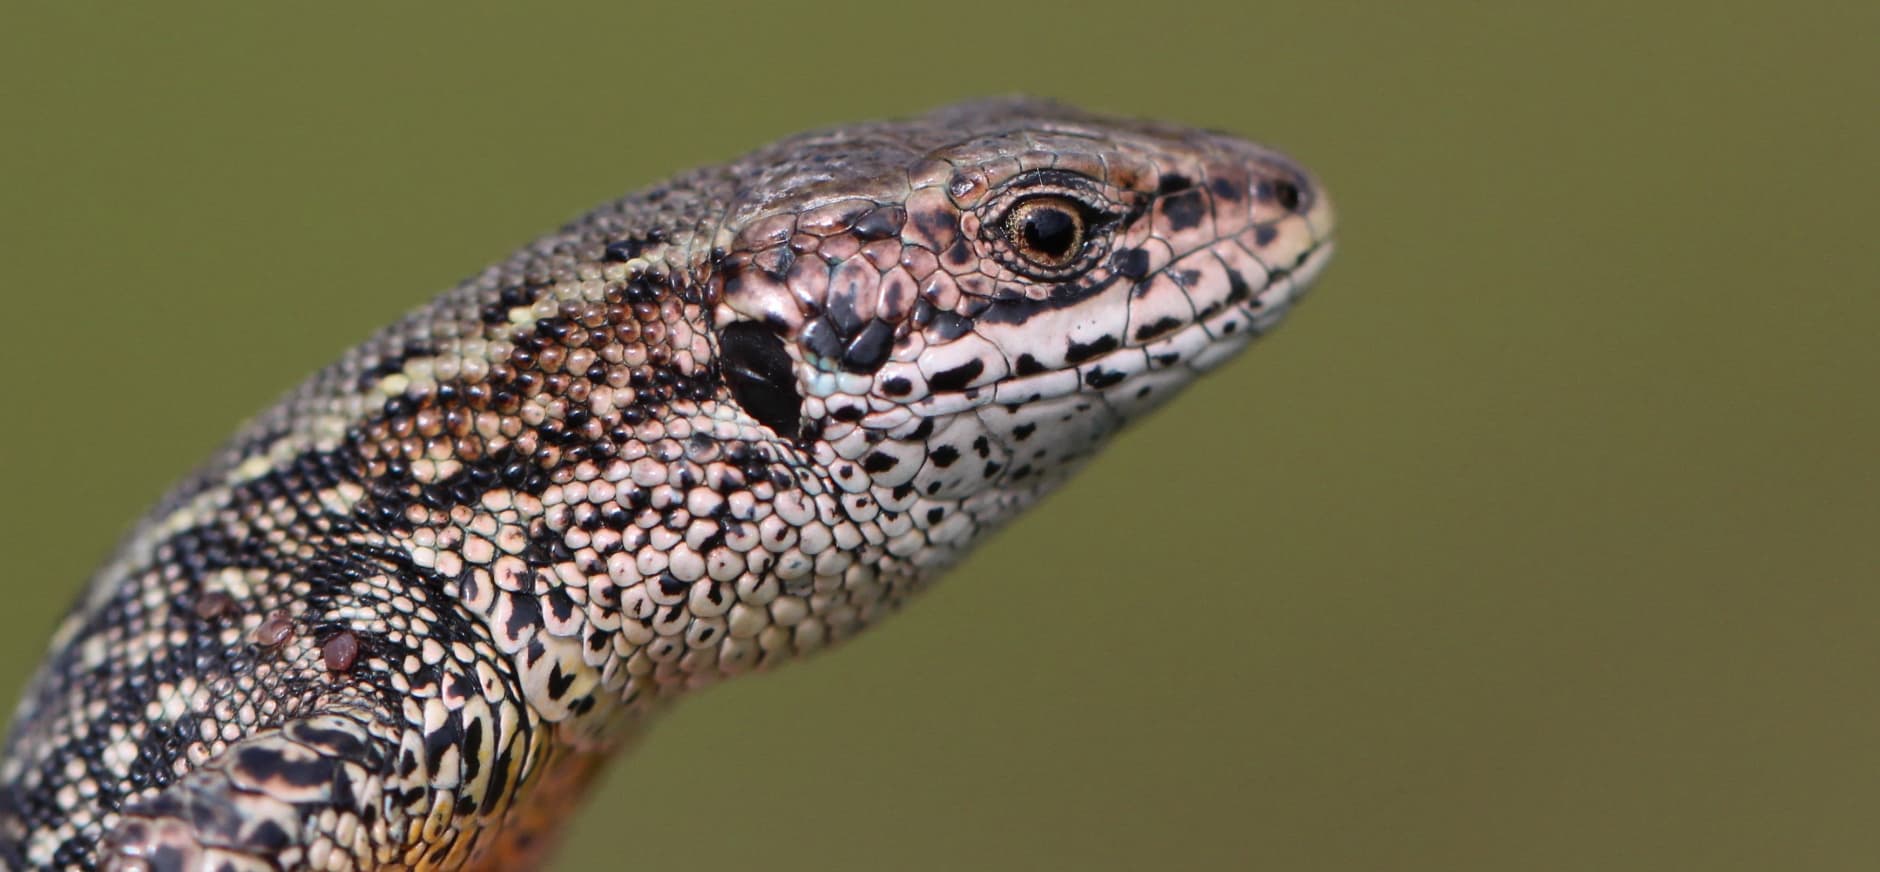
(1545, 536)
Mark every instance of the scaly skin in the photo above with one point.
(404, 616)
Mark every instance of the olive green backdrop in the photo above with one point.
(1545, 536)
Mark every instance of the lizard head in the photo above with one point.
(971, 302)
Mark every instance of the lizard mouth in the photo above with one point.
(1216, 333)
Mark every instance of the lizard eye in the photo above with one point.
(1052, 227)
(1047, 231)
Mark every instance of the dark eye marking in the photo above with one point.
(761, 376)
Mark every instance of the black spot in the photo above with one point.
(880, 222)
(936, 223)
(958, 258)
(761, 376)
(1287, 195)
(935, 514)
(499, 782)
(1150, 331)
(870, 349)
(823, 339)
(623, 250)
(1102, 378)
(1027, 365)
(1264, 234)
(898, 386)
(266, 763)
(1018, 310)
(1023, 431)
(1130, 263)
(957, 378)
(839, 308)
(524, 613)
(561, 604)
(516, 295)
(879, 462)
(396, 363)
(558, 682)
(948, 326)
(1237, 289)
(1174, 182)
(264, 838)
(922, 430)
(1226, 190)
(448, 735)
(340, 743)
(1184, 210)
(944, 456)
(472, 740)
(670, 585)
(1078, 352)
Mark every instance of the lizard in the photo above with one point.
(403, 617)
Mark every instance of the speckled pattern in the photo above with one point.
(402, 618)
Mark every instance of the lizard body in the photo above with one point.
(401, 619)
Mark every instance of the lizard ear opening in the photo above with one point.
(761, 375)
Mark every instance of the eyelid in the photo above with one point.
(1098, 209)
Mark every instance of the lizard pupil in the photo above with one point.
(1048, 231)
